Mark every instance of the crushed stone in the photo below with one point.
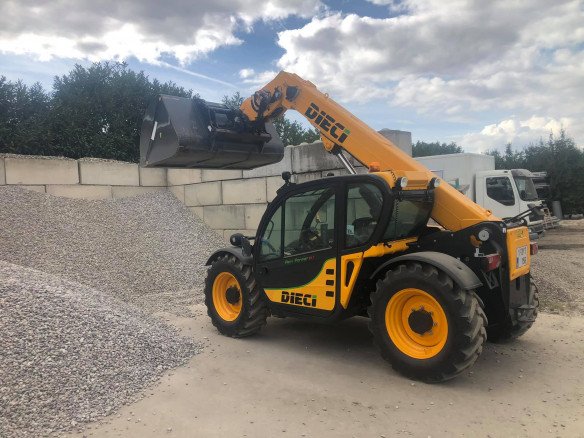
(149, 250)
(72, 354)
(558, 268)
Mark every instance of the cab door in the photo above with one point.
(296, 247)
(501, 196)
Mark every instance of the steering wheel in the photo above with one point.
(309, 238)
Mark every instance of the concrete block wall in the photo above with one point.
(228, 201)
(84, 179)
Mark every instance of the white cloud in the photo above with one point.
(516, 131)
(147, 29)
(461, 60)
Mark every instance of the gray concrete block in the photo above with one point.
(402, 139)
(113, 173)
(178, 177)
(272, 169)
(129, 191)
(312, 157)
(179, 192)
(152, 177)
(223, 217)
(40, 189)
(208, 193)
(220, 175)
(34, 171)
(2, 172)
(80, 191)
(198, 211)
(245, 191)
(308, 176)
(253, 215)
(273, 183)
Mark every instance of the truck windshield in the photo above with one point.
(526, 188)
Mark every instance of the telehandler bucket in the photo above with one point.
(182, 132)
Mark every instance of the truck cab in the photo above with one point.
(507, 193)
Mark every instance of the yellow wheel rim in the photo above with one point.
(226, 291)
(416, 323)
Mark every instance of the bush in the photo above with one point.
(92, 112)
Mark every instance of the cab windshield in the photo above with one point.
(526, 188)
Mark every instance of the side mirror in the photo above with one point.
(242, 242)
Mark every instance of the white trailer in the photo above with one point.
(505, 192)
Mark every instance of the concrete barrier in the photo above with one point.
(113, 173)
(253, 215)
(223, 217)
(244, 191)
(30, 170)
(2, 172)
(177, 177)
(208, 193)
(153, 177)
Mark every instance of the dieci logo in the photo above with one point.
(327, 122)
(298, 298)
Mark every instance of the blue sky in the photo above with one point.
(478, 73)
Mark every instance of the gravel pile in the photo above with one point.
(558, 269)
(71, 354)
(148, 250)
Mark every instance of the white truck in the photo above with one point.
(506, 193)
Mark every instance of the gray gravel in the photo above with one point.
(148, 250)
(72, 354)
(558, 269)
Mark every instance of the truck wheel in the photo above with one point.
(425, 325)
(512, 329)
(235, 303)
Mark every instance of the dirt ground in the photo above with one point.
(300, 379)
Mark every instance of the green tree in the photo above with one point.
(424, 149)
(293, 133)
(23, 117)
(290, 132)
(509, 159)
(97, 111)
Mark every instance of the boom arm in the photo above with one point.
(339, 128)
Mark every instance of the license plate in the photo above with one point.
(521, 256)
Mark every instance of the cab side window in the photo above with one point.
(271, 241)
(500, 189)
(364, 203)
(309, 221)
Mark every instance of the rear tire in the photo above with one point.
(511, 330)
(241, 311)
(438, 330)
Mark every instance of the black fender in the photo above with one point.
(234, 251)
(454, 268)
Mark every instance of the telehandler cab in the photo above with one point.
(354, 245)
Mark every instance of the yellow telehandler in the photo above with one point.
(353, 245)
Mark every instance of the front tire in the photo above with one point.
(235, 303)
(424, 324)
